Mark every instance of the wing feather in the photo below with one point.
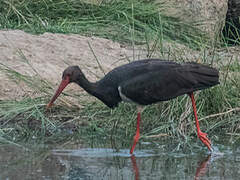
(170, 82)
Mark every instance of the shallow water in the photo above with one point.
(78, 163)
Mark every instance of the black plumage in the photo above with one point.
(145, 82)
(150, 81)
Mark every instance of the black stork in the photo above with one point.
(145, 82)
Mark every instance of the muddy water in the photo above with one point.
(78, 163)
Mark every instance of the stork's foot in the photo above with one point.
(203, 137)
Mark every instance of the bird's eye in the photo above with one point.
(65, 76)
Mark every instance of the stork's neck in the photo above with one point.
(90, 87)
(108, 95)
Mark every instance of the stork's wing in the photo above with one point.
(151, 87)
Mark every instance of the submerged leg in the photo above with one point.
(202, 136)
(136, 137)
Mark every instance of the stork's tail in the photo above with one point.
(204, 75)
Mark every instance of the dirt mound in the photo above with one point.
(49, 54)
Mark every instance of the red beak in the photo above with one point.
(61, 87)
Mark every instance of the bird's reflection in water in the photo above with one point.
(201, 170)
(135, 167)
(203, 167)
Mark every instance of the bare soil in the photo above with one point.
(49, 54)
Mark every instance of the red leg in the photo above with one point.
(202, 136)
(136, 137)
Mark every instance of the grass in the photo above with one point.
(132, 23)
(231, 32)
(122, 21)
